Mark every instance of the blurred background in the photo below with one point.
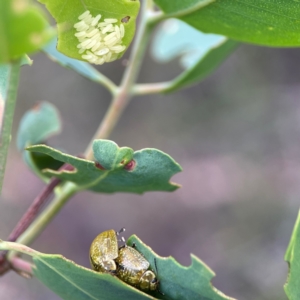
(237, 137)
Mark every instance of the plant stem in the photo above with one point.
(67, 190)
(33, 210)
(111, 118)
(29, 216)
(36, 205)
(17, 247)
(150, 4)
(27, 219)
(9, 75)
(21, 266)
(151, 88)
(160, 16)
(106, 82)
(123, 94)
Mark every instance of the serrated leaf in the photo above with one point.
(263, 22)
(82, 68)
(292, 256)
(66, 15)
(9, 81)
(73, 282)
(36, 126)
(200, 53)
(24, 29)
(116, 169)
(177, 281)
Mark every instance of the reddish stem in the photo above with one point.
(29, 216)
(22, 267)
(33, 210)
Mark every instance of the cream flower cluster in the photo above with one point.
(99, 42)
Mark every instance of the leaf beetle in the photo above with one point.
(125, 262)
(132, 268)
(104, 251)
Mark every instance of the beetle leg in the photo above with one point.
(160, 292)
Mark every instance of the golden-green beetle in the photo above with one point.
(132, 268)
(104, 251)
(126, 262)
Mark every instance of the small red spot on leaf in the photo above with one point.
(36, 107)
(130, 166)
(67, 167)
(98, 166)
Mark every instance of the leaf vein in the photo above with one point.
(247, 16)
(67, 279)
(267, 10)
(63, 6)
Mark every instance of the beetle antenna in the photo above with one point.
(121, 230)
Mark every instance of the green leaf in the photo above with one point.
(263, 22)
(292, 256)
(177, 281)
(73, 282)
(204, 66)
(66, 15)
(9, 80)
(23, 29)
(83, 68)
(200, 53)
(116, 169)
(37, 125)
(26, 60)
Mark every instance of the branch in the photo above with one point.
(22, 267)
(38, 225)
(122, 97)
(30, 215)
(151, 88)
(17, 247)
(33, 210)
(36, 205)
(112, 116)
(19, 265)
(106, 82)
